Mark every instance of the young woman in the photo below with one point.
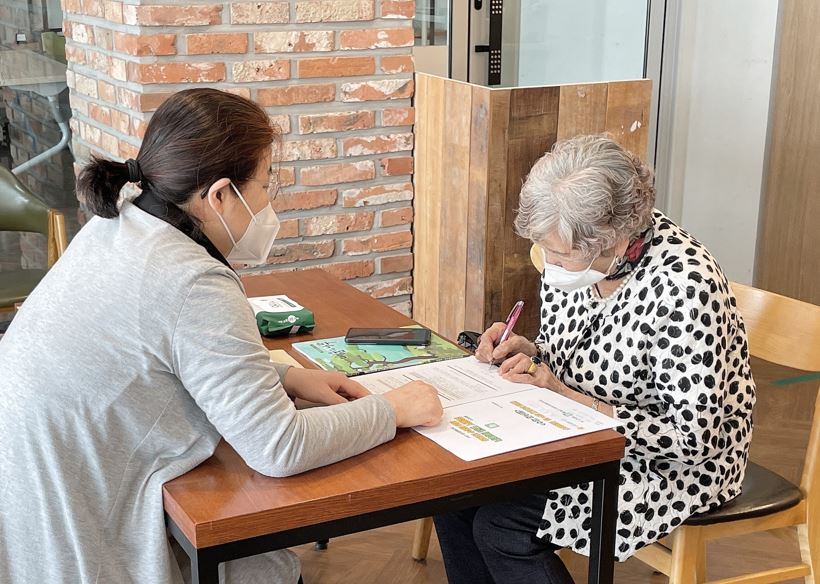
(139, 351)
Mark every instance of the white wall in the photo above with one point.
(719, 127)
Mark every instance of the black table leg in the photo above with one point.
(204, 563)
(204, 571)
(604, 522)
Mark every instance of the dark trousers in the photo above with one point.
(496, 544)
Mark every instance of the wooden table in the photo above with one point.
(222, 510)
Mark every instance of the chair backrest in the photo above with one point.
(537, 258)
(786, 332)
(19, 208)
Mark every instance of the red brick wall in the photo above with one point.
(335, 75)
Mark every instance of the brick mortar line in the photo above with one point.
(358, 234)
(296, 164)
(137, 87)
(311, 109)
(149, 29)
(236, 57)
(337, 209)
(105, 129)
(318, 108)
(314, 262)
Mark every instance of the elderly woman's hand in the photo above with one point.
(488, 350)
(519, 369)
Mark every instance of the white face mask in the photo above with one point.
(254, 246)
(567, 281)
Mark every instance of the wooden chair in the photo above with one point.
(20, 210)
(786, 332)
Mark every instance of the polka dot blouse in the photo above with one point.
(669, 353)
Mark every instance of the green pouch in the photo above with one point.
(274, 324)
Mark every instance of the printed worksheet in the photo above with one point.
(485, 414)
(509, 422)
(458, 381)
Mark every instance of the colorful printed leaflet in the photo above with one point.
(336, 355)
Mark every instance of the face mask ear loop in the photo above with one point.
(221, 220)
(616, 261)
(241, 198)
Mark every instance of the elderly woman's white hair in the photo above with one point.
(590, 191)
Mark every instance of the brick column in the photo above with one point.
(335, 75)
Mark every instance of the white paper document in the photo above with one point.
(279, 303)
(485, 414)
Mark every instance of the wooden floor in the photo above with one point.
(782, 420)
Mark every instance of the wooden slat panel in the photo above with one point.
(533, 130)
(453, 200)
(627, 114)
(421, 186)
(789, 241)
(466, 247)
(476, 234)
(582, 110)
(429, 187)
(496, 201)
(436, 121)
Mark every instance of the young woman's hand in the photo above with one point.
(416, 404)
(518, 369)
(488, 351)
(322, 387)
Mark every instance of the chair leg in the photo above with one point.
(687, 547)
(421, 539)
(701, 567)
(807, 553)
(564, 554)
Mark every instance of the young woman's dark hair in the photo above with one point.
(195, 137)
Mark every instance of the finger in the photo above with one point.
(434, 421)
(518, 363)
(503, 349)
(519, 378)
(485, 351)
(352, 389)
(332, 398)
(494, 333)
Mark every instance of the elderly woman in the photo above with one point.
(638, 322)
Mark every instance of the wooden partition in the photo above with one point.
(474, 147)
(788, 237)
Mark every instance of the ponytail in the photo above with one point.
(195, 137)
(99, 185)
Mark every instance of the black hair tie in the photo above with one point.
(134, 172)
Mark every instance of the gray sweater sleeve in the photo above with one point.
(219, 357)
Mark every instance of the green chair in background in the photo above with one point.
(21, 211)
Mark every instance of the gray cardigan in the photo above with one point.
(121, 371)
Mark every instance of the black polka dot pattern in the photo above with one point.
(669, 352)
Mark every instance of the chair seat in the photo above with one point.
(16, 285)
(763, 493)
